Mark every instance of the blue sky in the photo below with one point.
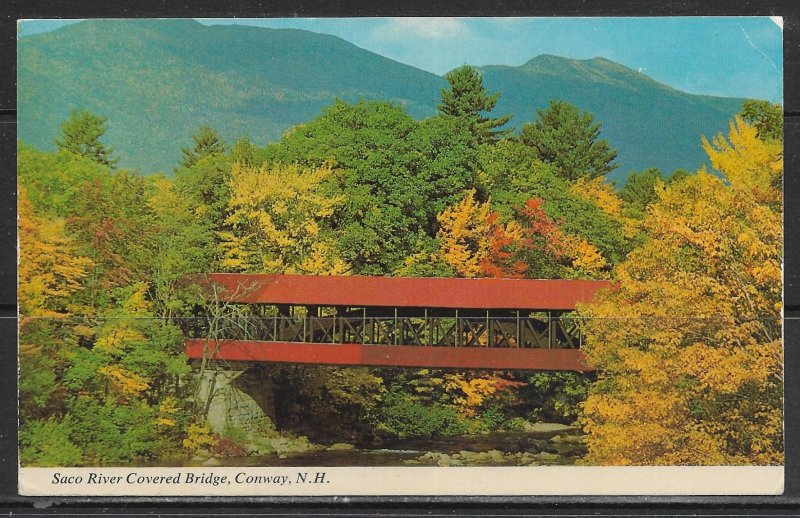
(727, 56)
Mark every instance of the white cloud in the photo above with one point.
(430, 28)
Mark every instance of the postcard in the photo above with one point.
(400, 256)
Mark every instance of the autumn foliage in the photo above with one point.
(277, 217)
(50, 269)
(474, 243)
(689, 344)
(470, 392)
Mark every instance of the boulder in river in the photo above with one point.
(539, 444)
(446, 460)
(495, 455)
(341, 446)
(251, 449)
(546, 457)
(568, 439)
(202, 455)
(429, 456)
(549, 427)
(467, 455)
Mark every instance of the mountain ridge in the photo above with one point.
(652, 124)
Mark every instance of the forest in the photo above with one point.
(687, 347)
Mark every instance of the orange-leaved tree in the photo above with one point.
(688, 345)
(474, 243)
(548, 251)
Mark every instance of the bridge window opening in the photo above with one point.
(432, 327)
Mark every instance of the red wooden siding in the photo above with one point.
(360, 291)
(394, 355)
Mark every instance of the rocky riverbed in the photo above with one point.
(537, 444)
(545, 444)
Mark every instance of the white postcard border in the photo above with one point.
(393, 481)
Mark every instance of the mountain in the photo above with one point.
(650, 123)
(157, 81)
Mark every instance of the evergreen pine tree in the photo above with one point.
(468, 99)
(81, 135)
(566, 137)
(206, 142)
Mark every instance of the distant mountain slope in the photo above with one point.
(158, 80)
(650, 123)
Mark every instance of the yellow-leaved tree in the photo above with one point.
(464, 235)
(688, 344)
(603, 194)
(277, 216)
(468, 391)
(49, 267)
(117, 340)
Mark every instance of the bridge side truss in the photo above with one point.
(398, 326)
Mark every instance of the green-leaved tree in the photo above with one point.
(765, 117)
(395, 172)
(641, 188)
(203, 177)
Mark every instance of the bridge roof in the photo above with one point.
(400, 292)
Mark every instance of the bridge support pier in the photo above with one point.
(240, 397)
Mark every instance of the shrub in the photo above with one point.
(198, 437)
(557, 396)
(402, 416)
(48, 443)
(226, 447)
(111, 433)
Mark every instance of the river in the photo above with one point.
(556, 445)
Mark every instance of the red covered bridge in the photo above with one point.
(503, 324)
